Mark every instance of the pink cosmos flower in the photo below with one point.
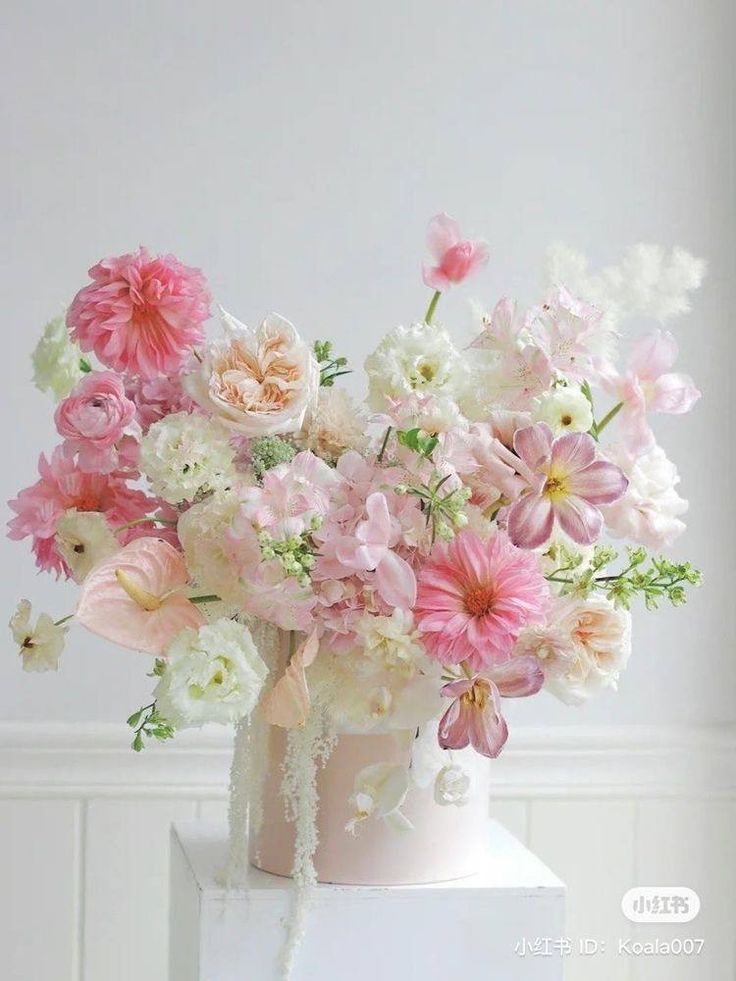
(61, 486)
(566, 485)
(455, 258)
(137, 597)
(474, 717)
(141, 314)
(370, 550)
(474, 598)
(93, 419)
(649, 386)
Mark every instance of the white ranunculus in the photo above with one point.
(420, 359)
(599, 638)
(379, 792)
(185, 455)
(564, 409)
(83, 539)
(453, 785)
(56, 360)
(40, 646)
(213, 674)
(649, 512)
(257, 382)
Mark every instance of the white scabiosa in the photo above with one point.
(213, 674)
(186, 455)
(83, 538)
(56, 360)
(564, 409)
(418, 359)
(41, 645)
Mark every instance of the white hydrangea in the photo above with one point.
(56, 360)
(564, 409)
(214, 674)
(185, 455)
(418, 359)
(40, 646)
(202, 530)
(83, 539)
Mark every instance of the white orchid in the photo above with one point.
(379, 792)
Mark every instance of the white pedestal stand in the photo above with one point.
(470, 928)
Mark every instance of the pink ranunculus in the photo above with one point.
(141, 314)
(474, 597)
(647, 385)
(474, 717)
(61, 486)
(567, 486)
(137, 598)
(155, 398)
(94, 419)
(455, 258)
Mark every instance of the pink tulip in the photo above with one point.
(566, 485)
(137, 597)
(648, 386)
(474, 717)
(455, 258)
(371, 549)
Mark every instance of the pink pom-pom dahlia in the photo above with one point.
(140, 314)
(474, 598)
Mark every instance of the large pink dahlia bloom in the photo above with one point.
(474, 598)
(140, 314)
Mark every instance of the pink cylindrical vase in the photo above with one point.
(445, 843)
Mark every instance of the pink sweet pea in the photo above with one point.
(474, 717)
(648, 386)
(370, 548)
(566, 485)
(93, 419)
(455, 258)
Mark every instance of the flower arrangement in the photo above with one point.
(431, 552)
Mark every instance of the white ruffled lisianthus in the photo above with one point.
(185, 455)
(83, 538)
(56, 360)
(333, 426)
(649, 512)
(564, 409)
(409, 360)
(40, 646)
(213, 674)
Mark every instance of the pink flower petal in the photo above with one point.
(531, 520)
(534, 444)
(453, 731)
(442, 233)
(518, 677)
(288, 703)
(581, 521)
(396, 581)
(377, 529)
(572, 452)
(674, 393)
(600, 483)
(433, 277)
(488, 729)
(652, 355)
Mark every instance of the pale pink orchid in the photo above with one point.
(502, 328)
(455, 258)
(94, 419)
(474, 717)
(647, 385)
(369, 549)
(137, 598)
(567, 484)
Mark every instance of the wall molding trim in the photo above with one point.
(95, 760)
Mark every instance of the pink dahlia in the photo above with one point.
(61, 486)
(140, 314)
(475, 597)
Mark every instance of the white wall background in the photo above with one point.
(295, 152)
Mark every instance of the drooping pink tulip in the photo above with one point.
(566, 486)
(137, 597)
(455, 258)
(474, 718)
(647, 385)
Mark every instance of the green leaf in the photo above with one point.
(135, 718)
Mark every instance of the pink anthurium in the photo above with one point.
(567, 484)
(370, 549)
(455, 258)
(137, 597)
(287, 704)
(474, 718)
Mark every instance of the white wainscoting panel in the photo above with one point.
(84, 841)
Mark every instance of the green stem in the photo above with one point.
(600, 426)
(69, 616)
(432, 307)
(209, 598)
(384, 444)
